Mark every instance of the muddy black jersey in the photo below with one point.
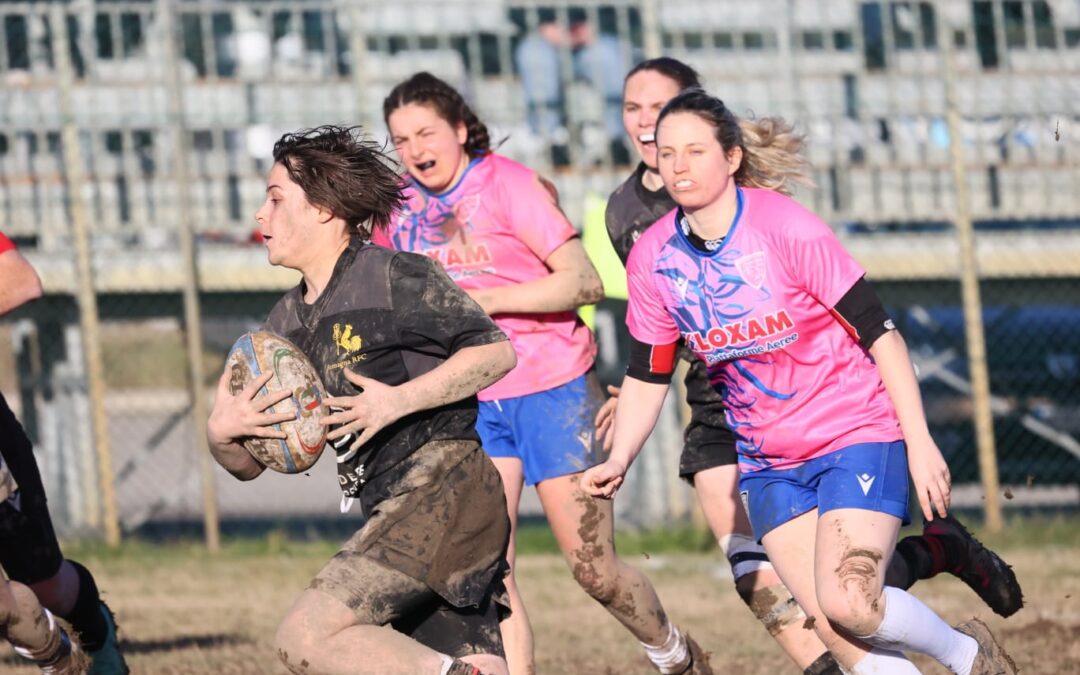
(631, 209)
(8, 486)
(390, 316)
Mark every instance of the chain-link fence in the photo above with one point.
(153, 119)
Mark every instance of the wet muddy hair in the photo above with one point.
(673, 69)
(344, 172)
(426, 89)
(771, 146)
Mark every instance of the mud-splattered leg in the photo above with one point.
(516, 629)
(762, 590)
(34, 633)
(791, 548)
(584, 528)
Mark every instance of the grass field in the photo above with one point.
(184, 611)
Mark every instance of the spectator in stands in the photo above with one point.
(596, 57)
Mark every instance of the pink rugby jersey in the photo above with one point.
(757, 310)
(495, 227)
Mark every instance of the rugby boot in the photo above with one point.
(991, 659)
(977, 566)
(107, 659)
(699, 659)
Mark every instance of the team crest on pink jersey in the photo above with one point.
(466, 207)
(752, 268)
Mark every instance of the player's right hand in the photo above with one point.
(603, 480)
(244, 415)
(605, 418)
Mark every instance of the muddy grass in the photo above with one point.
(184, 612)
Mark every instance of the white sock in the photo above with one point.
(909, 625)
(884, 662)
(670, 656)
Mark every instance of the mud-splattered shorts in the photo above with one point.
(552, 432)
(29, 552)
(430, 560)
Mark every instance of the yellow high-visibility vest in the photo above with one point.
(594, 237)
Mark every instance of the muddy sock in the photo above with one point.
(824, 665)
(86, 617)
(54, 647)
(909, 625)
(672, 656)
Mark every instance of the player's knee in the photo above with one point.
(295, 644)
(855, 601)
(600, 585)
(773, 606)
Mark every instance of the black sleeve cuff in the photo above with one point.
(861, 314)
(651, 363)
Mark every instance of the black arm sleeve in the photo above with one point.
(861, 314)
(651, 363)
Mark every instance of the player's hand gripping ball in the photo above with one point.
(259, 352)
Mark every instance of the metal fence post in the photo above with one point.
(86, 294)
(192, 317)
(650, 30)
(972, 303)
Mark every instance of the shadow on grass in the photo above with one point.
(132, 647)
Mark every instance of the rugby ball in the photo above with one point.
(259, 352)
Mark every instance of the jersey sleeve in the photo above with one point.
(432, 312)
(5, 244)
(819, 261)
(646, 317)
(532, 210)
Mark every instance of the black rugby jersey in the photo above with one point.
(390, 316)
(631, 209)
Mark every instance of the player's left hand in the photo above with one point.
(930, 474)
(365, 414)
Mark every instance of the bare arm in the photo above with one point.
(573, 283)
(639, 407)
(19, 282)
(379, 405)
(928, 469)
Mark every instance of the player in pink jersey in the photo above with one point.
(819, 388)
(498, 230)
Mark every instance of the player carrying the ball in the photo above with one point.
(415, 589)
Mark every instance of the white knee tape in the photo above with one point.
(745, 555)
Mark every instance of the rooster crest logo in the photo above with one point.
(346, 342)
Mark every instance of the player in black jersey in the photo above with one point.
(40, 582)
(402, 352)
(708, 460)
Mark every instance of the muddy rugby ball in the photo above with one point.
(258, 352)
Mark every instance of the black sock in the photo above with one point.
(916, 554)
(824, 665)
(85, 616)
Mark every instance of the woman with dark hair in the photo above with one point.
(414, 590)
(709, 458)
(818, 385)
(497, 228)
